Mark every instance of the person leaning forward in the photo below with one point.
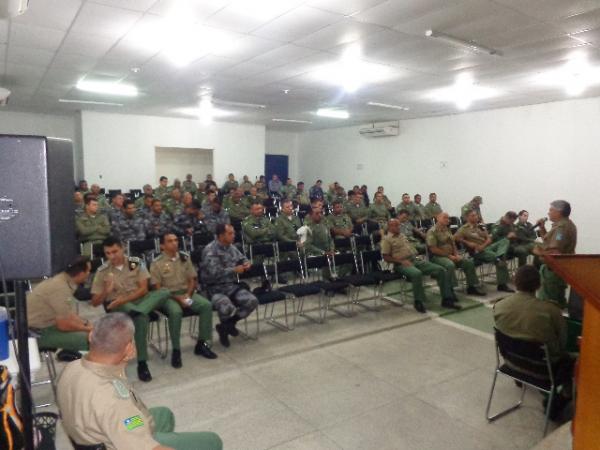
(173, 270)
(442, 248)
(397, 250)
(51, 312)
(479, 244)
(121, 284)
(98, 405)
(221, 262)
(560, 239)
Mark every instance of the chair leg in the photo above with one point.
(548, 408)
(507, 410)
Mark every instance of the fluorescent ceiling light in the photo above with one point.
(463, 93)
(575, 76)
(89, 102)
(351, 72)
(263, 10)
(333, 113)
(239, 104)
(291, 120)
(111, 87)
(202, 111)
(457, 42)
(385, 105)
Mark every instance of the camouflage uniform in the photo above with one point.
(189, 186)
(408, 230)
(183, 222)
(158, 225)
(212, 219)
(130, 228)
(173, 208)
(220, 281)
(162, 193)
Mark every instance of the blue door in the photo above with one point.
(276, 165)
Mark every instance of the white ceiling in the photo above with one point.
(44, 52)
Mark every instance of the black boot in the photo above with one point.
(223, 335)
(450, 304)
(176, 359)
(231, 329)
(143, 372)
(202, 349)
(476, 290)
(504, 288)
(420, 307)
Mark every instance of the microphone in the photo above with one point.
(538, 223)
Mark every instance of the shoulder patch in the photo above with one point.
(134, 422)
(134, 262)
(121, 389)
(103, 267)
(183, 256)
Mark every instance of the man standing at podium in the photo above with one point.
(560, 239)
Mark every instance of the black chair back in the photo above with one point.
(113, 192)
(343, 244)
(87, 447)
(135, 193)
(257, 270)
(426, 223)
(285, 247)
(267, 250)
(370, 260)
(528, 356)
(137, 248)
(363, 241)
(317, 262)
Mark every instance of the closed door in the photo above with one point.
(276, 165)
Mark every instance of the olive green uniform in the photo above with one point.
(397, 246)
(173, 274)
(50, 299)
(417, 211)
(522, 316)
(442, 238)
(562, 237)
(356, 212)
(501, 230)
(286, 228)
(126, 280)
(91, 230)
(173, 208)
(99, 406)
(162, 193)
(252, 200)
(238, 211)
(318, 240)
(493, 253)
(525, 242)
(379, 213)
(246, 186)
(470, 207)
(339, 222)
(288, 191)
(229, 185)
(189, 186)
(302, 198)
(408, 230)
(432, 209)
(258, 230)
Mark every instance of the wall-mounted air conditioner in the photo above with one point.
(380, 129)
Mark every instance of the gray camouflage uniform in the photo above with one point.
(220, 281)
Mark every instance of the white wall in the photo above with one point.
(119, 149)
(178, 162)
(45, 125)
(516, 158)
(284, 143)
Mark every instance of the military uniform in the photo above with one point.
(356, 212)
(522, 316)
(99, 406)
(258, 230)
(380, 214)
(408, 230)
(189, 186)
(201, 196)
(397, 246)
(252, 200)
(157, 225)
(53, 298)
(340, 221)
(563, 238)
(115, 214)
(184, 222)
(79, 209)
(442, 238)
(217, 276)
(238, 211)
(493, 253)
(229, 185)
(92, 230)
(173, 208)
(470, 207)
(501, 230)
(126, 280)
(525, 241)
(406, 206)
(173, 274)
(139, 202)
(286, 228)
(432, 209)
(246, 186)
(318, 240)
(417, 211)
(288, 191)
(162, 193)
(212, 219)
(302, 198)
(130, 228)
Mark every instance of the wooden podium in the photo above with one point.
(582, 272)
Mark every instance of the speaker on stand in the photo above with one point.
(37, 230)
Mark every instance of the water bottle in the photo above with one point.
(3, 334)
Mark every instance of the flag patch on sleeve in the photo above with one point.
(133, 422)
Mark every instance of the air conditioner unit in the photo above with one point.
(12, 8)
(380, 130)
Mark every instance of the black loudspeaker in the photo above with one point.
(37, 219)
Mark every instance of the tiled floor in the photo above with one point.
(392, 379)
